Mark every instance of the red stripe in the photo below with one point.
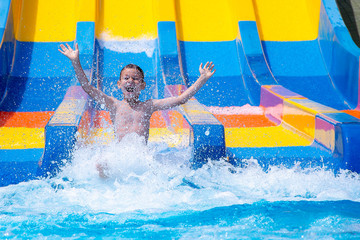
(25, 119)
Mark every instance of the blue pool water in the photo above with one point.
(152, 193)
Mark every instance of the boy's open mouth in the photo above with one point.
(130, 89)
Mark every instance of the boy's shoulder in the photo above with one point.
(148, 105)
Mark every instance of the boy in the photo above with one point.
(131, 115)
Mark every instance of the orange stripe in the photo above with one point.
(178, 122)
(230, 121)
(354, 113)
(157, 120)
(101, 119)
(25, 119)
(85, 123)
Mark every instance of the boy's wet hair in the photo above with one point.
(134, 66)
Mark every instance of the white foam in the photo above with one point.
(124, 45)
(156, 178)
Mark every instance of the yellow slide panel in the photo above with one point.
(178, 139)
(301, 113)
(164, 10)
(125, 20)
(287, 20)
(200, 20)
(50, 20)
(277, 136)
(21, 138)
(211, 20)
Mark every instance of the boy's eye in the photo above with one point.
(135, 79)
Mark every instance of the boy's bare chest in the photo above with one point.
(126, 115)
(130, 117)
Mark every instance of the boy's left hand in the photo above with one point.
(207, 70)
(69, 52)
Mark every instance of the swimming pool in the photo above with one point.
(153, 193)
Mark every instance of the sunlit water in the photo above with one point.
(151, 192)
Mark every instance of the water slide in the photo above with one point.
(34, 79)
(285, 89)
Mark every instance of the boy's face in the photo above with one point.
(131, 83)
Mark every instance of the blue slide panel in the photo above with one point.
(252, 60)
(310, 78)
(340, 53)
(226, 87)
(169, 70)
(18, 165)
(39, 71)
(347, 135)
(85, 37)
(60, 132)
(307, 156)
(299, 59)
(34, 94)
(325, 70)
(208, 142)
(40, 59)
(60, 141)
(6, 44)
(347, 132)
(207, 135)
(168, 50)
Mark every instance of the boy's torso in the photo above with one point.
(134, 118)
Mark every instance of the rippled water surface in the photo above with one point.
(151, 192)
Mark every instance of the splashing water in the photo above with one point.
(152, 192)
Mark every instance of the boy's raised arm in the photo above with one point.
(95, 93)
(206, 72)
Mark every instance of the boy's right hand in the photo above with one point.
(208, 70)
(69, 52)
